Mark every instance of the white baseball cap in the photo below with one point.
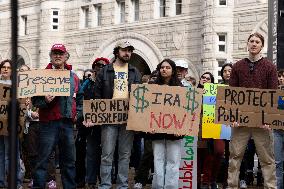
(182, 64)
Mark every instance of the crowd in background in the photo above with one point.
(53, 136)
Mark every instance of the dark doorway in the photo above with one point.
(140, 64)
(20, 61)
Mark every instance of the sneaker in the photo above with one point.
(30, 185)
(138, 186)
(51, 184)
(243, 184)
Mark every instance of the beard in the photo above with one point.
(124, 59)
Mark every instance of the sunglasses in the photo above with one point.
(100, 65)
(207, 78)
(58, 52)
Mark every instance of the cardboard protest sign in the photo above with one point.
(5, 92)
(188, 163)
(4, 118)
(43, 82)
(250, 107)
(165, 109)
(209, 128)
(106, 111)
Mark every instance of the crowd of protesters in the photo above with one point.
(100, 156)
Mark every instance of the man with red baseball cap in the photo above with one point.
(58, 56)
(58, 47)
(57, 115)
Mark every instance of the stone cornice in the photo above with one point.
(136, 25)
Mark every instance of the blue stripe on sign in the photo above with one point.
(210, 100)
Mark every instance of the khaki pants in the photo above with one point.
(263, 140)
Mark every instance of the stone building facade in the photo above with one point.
(204, 33)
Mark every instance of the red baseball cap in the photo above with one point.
(100, 60)
(58, 47)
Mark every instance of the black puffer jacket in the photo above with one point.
(105, 81)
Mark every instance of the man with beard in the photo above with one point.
(112, 82)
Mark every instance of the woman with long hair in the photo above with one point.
(6, 72)
(206, 77)
(166, 147)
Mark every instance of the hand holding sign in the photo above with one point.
(266, 127)
(34, 115)
(88, 123)
(235, 124)
(49, 98)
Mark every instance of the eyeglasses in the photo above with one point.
(6, 67)
(207, 78)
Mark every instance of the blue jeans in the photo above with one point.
(56, 132)
(110, 134)
(93, 155)
(4, 161)
(278, 152)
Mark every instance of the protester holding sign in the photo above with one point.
(279, 143)
(30, 143)
(166, 147)
(93, 151)
(5, 71)
(113, 82)
(147, 160)
(253, 72)
(57, 115)
(213, 152)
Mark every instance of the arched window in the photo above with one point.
(20, 61)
